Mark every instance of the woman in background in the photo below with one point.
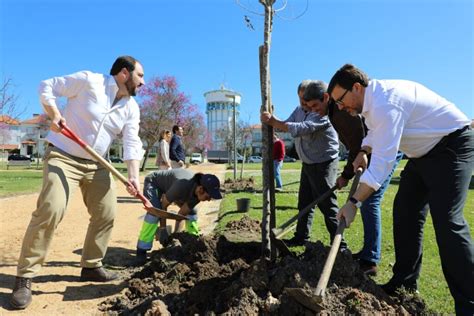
(163, 157)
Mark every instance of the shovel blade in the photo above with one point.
(306, 298)
(282, 247)
(164, 214)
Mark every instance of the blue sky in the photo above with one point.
(206, 43)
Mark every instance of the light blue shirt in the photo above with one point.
(316, 140)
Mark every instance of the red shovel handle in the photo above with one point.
(66, 131)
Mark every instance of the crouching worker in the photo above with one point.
(179, 186)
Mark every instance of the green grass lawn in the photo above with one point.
(433, 287)
(23, 180)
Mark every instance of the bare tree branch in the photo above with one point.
(9, 100)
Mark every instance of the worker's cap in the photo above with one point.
(212, 185)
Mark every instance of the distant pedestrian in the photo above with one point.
(439, 143)
(177, 154)
(278, 156)
(163, 160)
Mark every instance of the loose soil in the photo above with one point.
(212, 275)
(239, 185)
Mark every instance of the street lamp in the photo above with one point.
(234, 134)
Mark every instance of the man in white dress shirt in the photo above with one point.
(437, 138)
(99, 108)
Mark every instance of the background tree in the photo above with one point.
(196, 136)
(162, 106)
(9, 100)
(9, 110)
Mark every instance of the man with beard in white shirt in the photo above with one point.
(99, 108)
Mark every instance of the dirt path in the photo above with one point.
(57, 290)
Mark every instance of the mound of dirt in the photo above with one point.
(212, 275)
(239, 185)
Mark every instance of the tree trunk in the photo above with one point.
(268, 211)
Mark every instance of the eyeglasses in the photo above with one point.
(339, 100)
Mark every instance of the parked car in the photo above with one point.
(19, 157)
(196, 158)
(288, 159)
(255, 159)
(239, 157)
(116, 159)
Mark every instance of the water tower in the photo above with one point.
(220, 114)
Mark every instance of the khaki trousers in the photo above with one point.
(62, 174)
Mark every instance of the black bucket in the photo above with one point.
(243, 204)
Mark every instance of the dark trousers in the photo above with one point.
(315, 180)
(441, 178)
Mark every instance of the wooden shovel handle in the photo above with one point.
(66, 131)
(327, 269)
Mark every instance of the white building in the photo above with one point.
(27, 137)
(220, 111)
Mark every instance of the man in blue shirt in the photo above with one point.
(317, 146)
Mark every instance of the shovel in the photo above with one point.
(66, 131)
(278, 232)
(313, 300)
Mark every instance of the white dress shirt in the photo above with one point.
(406, 116)
(90, 113)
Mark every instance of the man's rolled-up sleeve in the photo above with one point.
(384, 138)
(133, 147)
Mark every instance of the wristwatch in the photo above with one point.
(354, 201)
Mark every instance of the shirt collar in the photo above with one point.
(367, 97)
(112, 85)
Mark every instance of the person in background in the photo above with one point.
(163, 157)
(177, 154)
(318, 147)
(99, 107)
(278, 155)
(436, 137)
(179, 186)
(351, 131)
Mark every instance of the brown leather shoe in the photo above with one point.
(21, 295)
(97, 275)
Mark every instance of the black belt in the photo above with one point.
(444, 141)
(71, 156)
(458, 132)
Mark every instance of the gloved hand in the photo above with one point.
(348, 211)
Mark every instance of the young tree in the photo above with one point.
(268, 210)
